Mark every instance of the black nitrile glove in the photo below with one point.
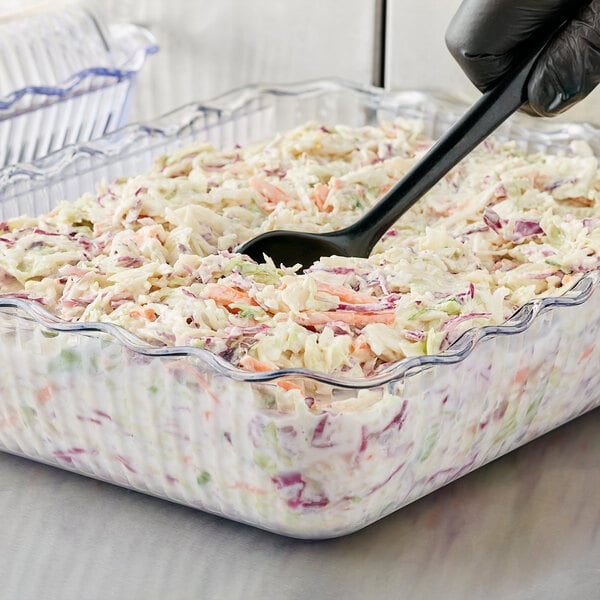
(487, 37)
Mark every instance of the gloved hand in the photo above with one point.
(486, 37)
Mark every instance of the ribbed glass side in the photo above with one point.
(27, 136)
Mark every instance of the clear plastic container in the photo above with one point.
(183, 424)
(63, 78)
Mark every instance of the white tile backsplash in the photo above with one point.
(209, 46)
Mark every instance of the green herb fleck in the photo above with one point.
(532, 408)
(203, 478)
(271, 432)
(70, 358)
(433, 341)
(356, 201)
(247, 311)
(553, 263)
(451, 306)
(264, 462)
(29, 414)
(416, 315)
(508, 428)
(430, 442)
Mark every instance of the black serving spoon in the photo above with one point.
(491, 110)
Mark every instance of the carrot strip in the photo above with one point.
(226, 296)
(360, 344)
(346, 294)
(202, 381)
(578, 201)
(288, 385)
(188, 369)
(248, 488)
(267, 190)
(250, 363)
(521, 376)
(319, 196)
(10, 420)
(358, 319)
(44, 394)
(586, 353)
(146, 312)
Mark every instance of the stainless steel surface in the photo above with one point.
(524, 527)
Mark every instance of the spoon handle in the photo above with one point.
(493, 108)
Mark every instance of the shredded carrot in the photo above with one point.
(149, 233)
(358, 319)
(226, 296)
(184, 367)
(288, 385)
(202, 381)
(10, 420)
(444, 212)
(360, 343)
(346, 294)
(207, 415)
(248, 488)
(568, 279)
(538, 181)
(586, 353)
(44, 394)
(250, 363)
(144, 311)
(319, 196)
(521, 376)
(579, 201)
(268, 191)
(462, 205)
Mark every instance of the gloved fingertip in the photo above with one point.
(545, 97)
(528, 110)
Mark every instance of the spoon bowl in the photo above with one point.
(297, 247)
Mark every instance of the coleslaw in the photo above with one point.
(155, 253)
